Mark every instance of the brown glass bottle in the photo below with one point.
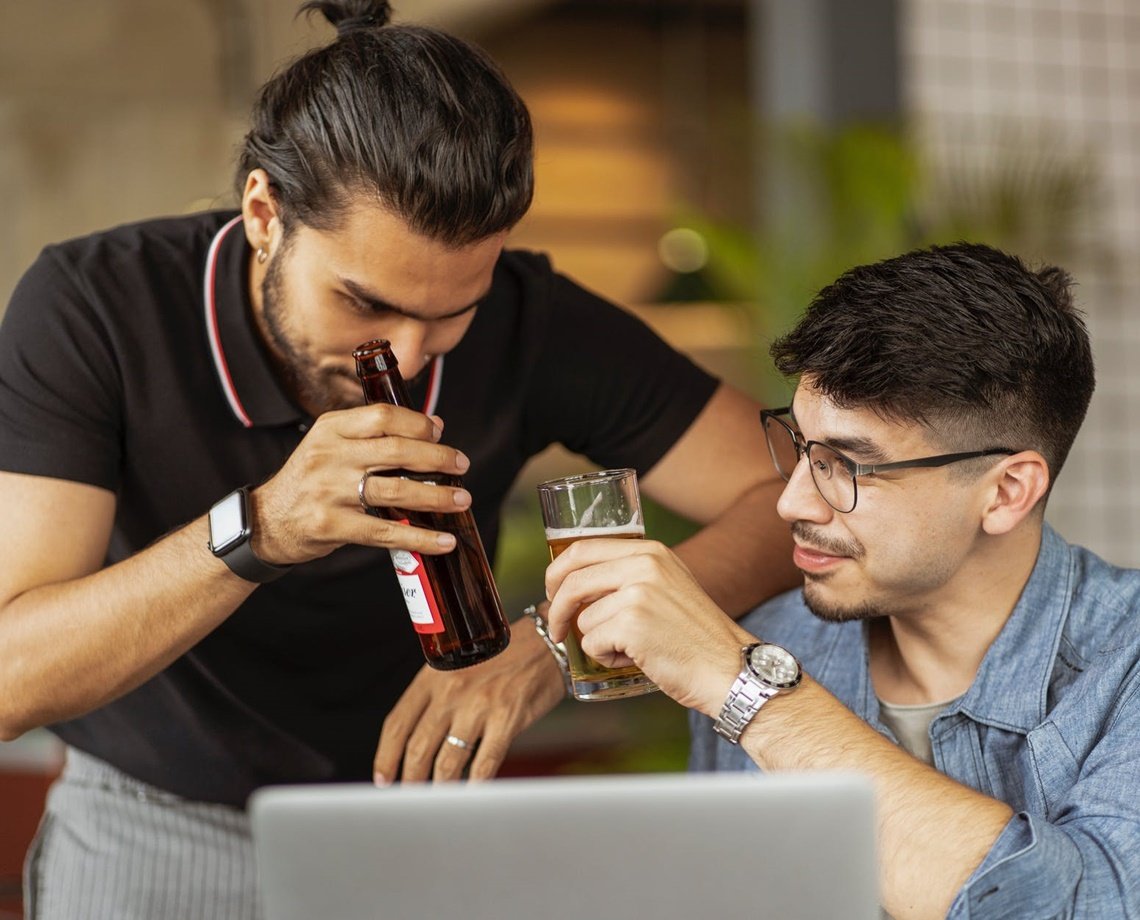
(452, 599)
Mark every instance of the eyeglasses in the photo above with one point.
(833, 473)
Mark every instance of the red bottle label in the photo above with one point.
(414, 585)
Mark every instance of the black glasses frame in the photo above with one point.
(803, 448)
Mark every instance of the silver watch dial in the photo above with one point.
(775, 666)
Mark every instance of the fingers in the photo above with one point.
(484, 707)
(391, 437)
(388, 437)
(397, 727)
(313, 504)
(586, 553)
(386, 490)
(591, 569)
(489, 757)
(464, 749)
(460, 745)
(383, 420)
(413, 745)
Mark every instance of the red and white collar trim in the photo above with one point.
(209, 287)
(435, 383)
(209, 284)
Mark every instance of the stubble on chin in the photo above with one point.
(832, 611)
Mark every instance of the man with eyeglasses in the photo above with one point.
(947, 642)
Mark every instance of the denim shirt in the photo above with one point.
(1050, 726)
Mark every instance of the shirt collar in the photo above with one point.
(244, 371)
(1012, 685)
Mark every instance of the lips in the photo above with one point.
(814, 560)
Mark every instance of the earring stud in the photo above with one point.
(262, 255)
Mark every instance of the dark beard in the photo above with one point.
(311, 391)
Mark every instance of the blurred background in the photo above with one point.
(707, 163)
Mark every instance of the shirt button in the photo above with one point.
(302, 428)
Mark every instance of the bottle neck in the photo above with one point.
(386, 387)
(380, 378)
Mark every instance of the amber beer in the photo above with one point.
(593, 506)
(582, 666)
(451, 599)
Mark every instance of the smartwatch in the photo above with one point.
(766, 670)
(230, 532)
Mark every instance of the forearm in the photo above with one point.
(933, 831)
(72, 646)
(744, 557)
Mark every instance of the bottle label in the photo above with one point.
(416, 588)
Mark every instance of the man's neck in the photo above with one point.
(931, 654)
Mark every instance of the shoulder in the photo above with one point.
(532, 277)
(131, 258)
(1105, 603)
(1095, 676)
(115, 278)
(172, 237)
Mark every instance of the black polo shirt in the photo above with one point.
(129, 360)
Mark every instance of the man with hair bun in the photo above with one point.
(157, 370)
(947, 642)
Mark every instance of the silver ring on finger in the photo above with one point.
(368, 509)
(457, 742)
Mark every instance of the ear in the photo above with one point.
(259, 212)
(1019, 482)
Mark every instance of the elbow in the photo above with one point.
(12, 727)
(15, 720)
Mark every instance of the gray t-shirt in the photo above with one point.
(911, 725)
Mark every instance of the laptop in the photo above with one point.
(659, 846)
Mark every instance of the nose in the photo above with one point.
(408, 346)
(800, 500)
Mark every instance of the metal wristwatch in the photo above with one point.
(557, 649)
(766, 670)
(231, 530)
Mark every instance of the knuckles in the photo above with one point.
(418, 752)
(637, 594)
(381, 421)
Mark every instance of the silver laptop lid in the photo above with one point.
(662, 846)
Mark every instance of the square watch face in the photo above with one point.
(227, 523)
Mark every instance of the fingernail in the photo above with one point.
(379, 779)
(462, 498)
(461, 461)
(446, 540)
(436, 433)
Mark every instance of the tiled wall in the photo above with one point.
(1061, 77)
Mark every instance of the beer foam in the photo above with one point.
(577, 533)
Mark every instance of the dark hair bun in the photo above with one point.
(349, 16)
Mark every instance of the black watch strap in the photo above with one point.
(243, 562)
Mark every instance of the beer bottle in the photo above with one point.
(452, 598)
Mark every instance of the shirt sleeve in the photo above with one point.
(1081, 860)
(609, 387)
(60, 405)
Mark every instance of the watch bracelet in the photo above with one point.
(557, 649)
(735, 718)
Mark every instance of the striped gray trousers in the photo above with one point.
(112, 848)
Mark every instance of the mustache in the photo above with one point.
(814, 539)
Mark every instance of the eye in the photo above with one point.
(365, 307)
